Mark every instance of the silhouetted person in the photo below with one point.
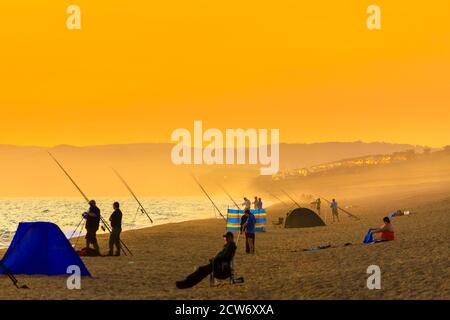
(221, 264)
(260, 204)
(247, 203)
(255, 203)
(317, 204)
(250, 229)
(334, 209)
(116, 229)
(92, 217)
(244, 220)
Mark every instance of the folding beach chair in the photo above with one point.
(231, 278)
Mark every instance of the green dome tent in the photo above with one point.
(303, 218)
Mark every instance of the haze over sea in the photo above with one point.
(66, 212)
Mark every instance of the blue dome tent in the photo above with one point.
(41, 248)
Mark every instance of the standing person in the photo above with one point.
(250, 228)
(334, 209)
(255, 203)
(92, 217)
(244, 220)
(246, 204)
(260, 204)
(221, 264)
(317, 204)
(116, 226)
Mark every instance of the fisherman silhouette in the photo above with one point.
(92, 217)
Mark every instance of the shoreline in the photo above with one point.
(413, 266)
(106, 233)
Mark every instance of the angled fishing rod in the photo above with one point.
(207, 195)
(277, 198)
(229, 196)
(123, 245)
(133, 194)
(12, 277)
(348, 213)
(290, 198)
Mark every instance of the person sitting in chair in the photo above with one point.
(221, 264)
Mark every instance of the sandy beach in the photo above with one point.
(147, 121)
(414, 266)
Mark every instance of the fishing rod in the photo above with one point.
(12, 277)
(229, 196)
(277, 198)
(350, 214)
(133, 194)
(79, 234)
(74, 231)
(290, 198)
(207, 195)
(123, 245)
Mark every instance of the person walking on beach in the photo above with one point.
(247, 204)
(220, 264)
(92, 217)
(334, 209)
(250, 228)
(116, 229)
(260, 204)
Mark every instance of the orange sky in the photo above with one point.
(139, 69)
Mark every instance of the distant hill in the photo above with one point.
(304, 155)
(29, 171)
(404, 175)
(348, 164)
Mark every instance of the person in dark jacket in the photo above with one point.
(116, 229)
(221, 264)
(244, 219)
(250, 229)
(92, 217)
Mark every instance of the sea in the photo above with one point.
(66, 212)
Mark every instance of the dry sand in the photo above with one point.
(414, 266)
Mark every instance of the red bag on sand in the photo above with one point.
(88, 252)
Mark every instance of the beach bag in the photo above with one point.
(88, 252)
(368, 238)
